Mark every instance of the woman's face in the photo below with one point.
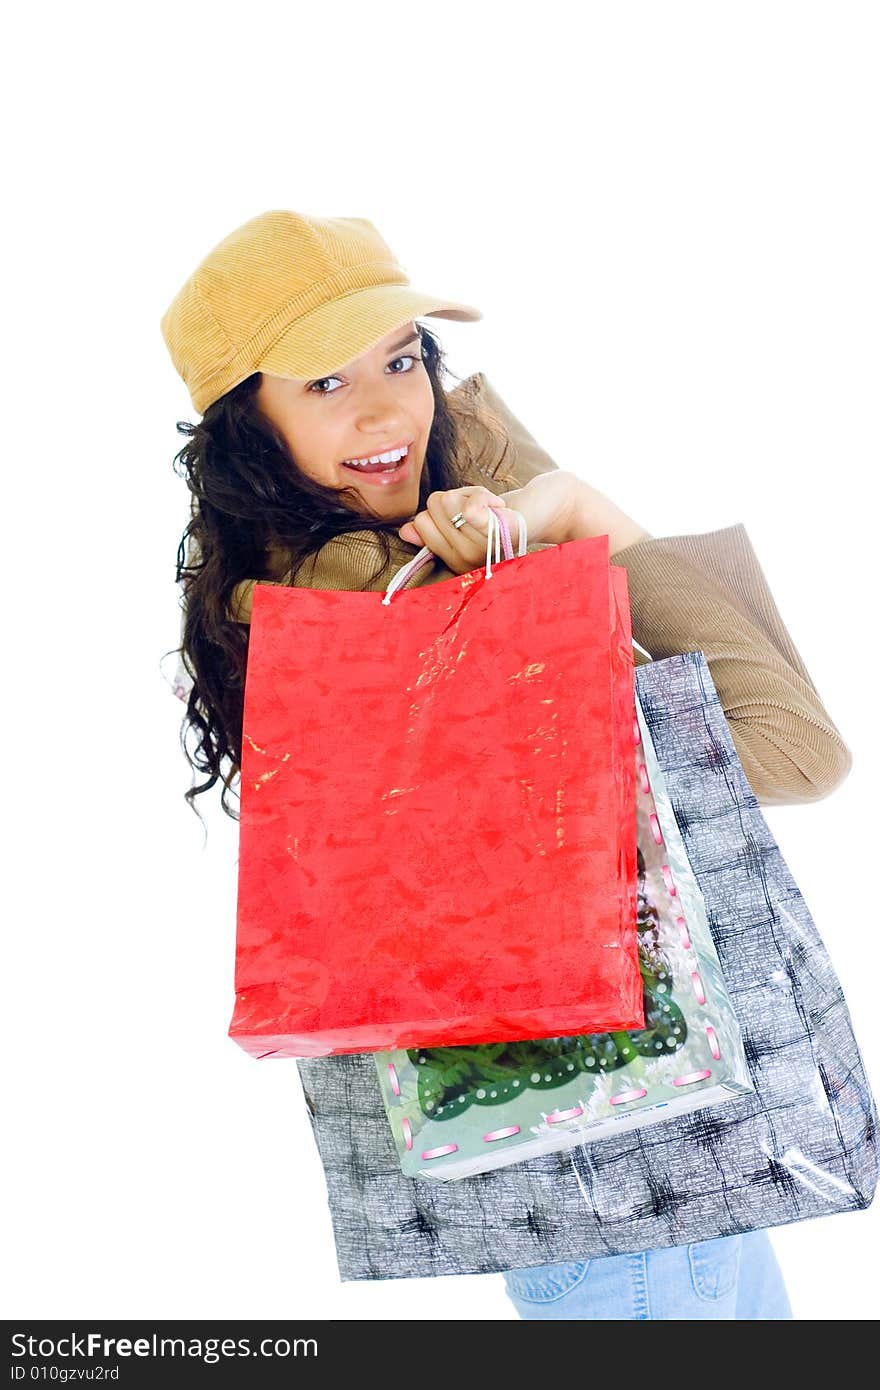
(374, 404)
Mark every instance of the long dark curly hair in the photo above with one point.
(247, 494)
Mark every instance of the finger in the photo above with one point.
(461, 547)
(446, 542)
(441, 512)
(477, 513)
(472, 504)
(467, 538)
(436, 540)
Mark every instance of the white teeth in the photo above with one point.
(392, 457)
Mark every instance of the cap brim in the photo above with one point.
(334, 334)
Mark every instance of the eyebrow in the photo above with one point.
(405, 342)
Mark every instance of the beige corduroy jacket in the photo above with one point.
(703, 592)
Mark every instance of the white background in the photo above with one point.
(669, 216)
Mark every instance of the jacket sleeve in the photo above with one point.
(708, 593)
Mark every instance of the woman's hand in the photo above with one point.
(548, 503)
(565, 508)
(460, 548)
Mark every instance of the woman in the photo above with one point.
(328, 450)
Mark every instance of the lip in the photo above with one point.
(388, 479)
(386, 449)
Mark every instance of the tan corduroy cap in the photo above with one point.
(290, 295)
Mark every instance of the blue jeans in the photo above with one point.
(735, 1277)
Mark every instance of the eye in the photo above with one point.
(407, 357)
(320, 382)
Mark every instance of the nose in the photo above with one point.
(380, 416)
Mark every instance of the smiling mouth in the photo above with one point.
(388, 467)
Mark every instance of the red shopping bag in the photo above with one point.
(438, 832)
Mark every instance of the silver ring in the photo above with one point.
(458, 520)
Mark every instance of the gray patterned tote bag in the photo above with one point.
(800, 1144)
